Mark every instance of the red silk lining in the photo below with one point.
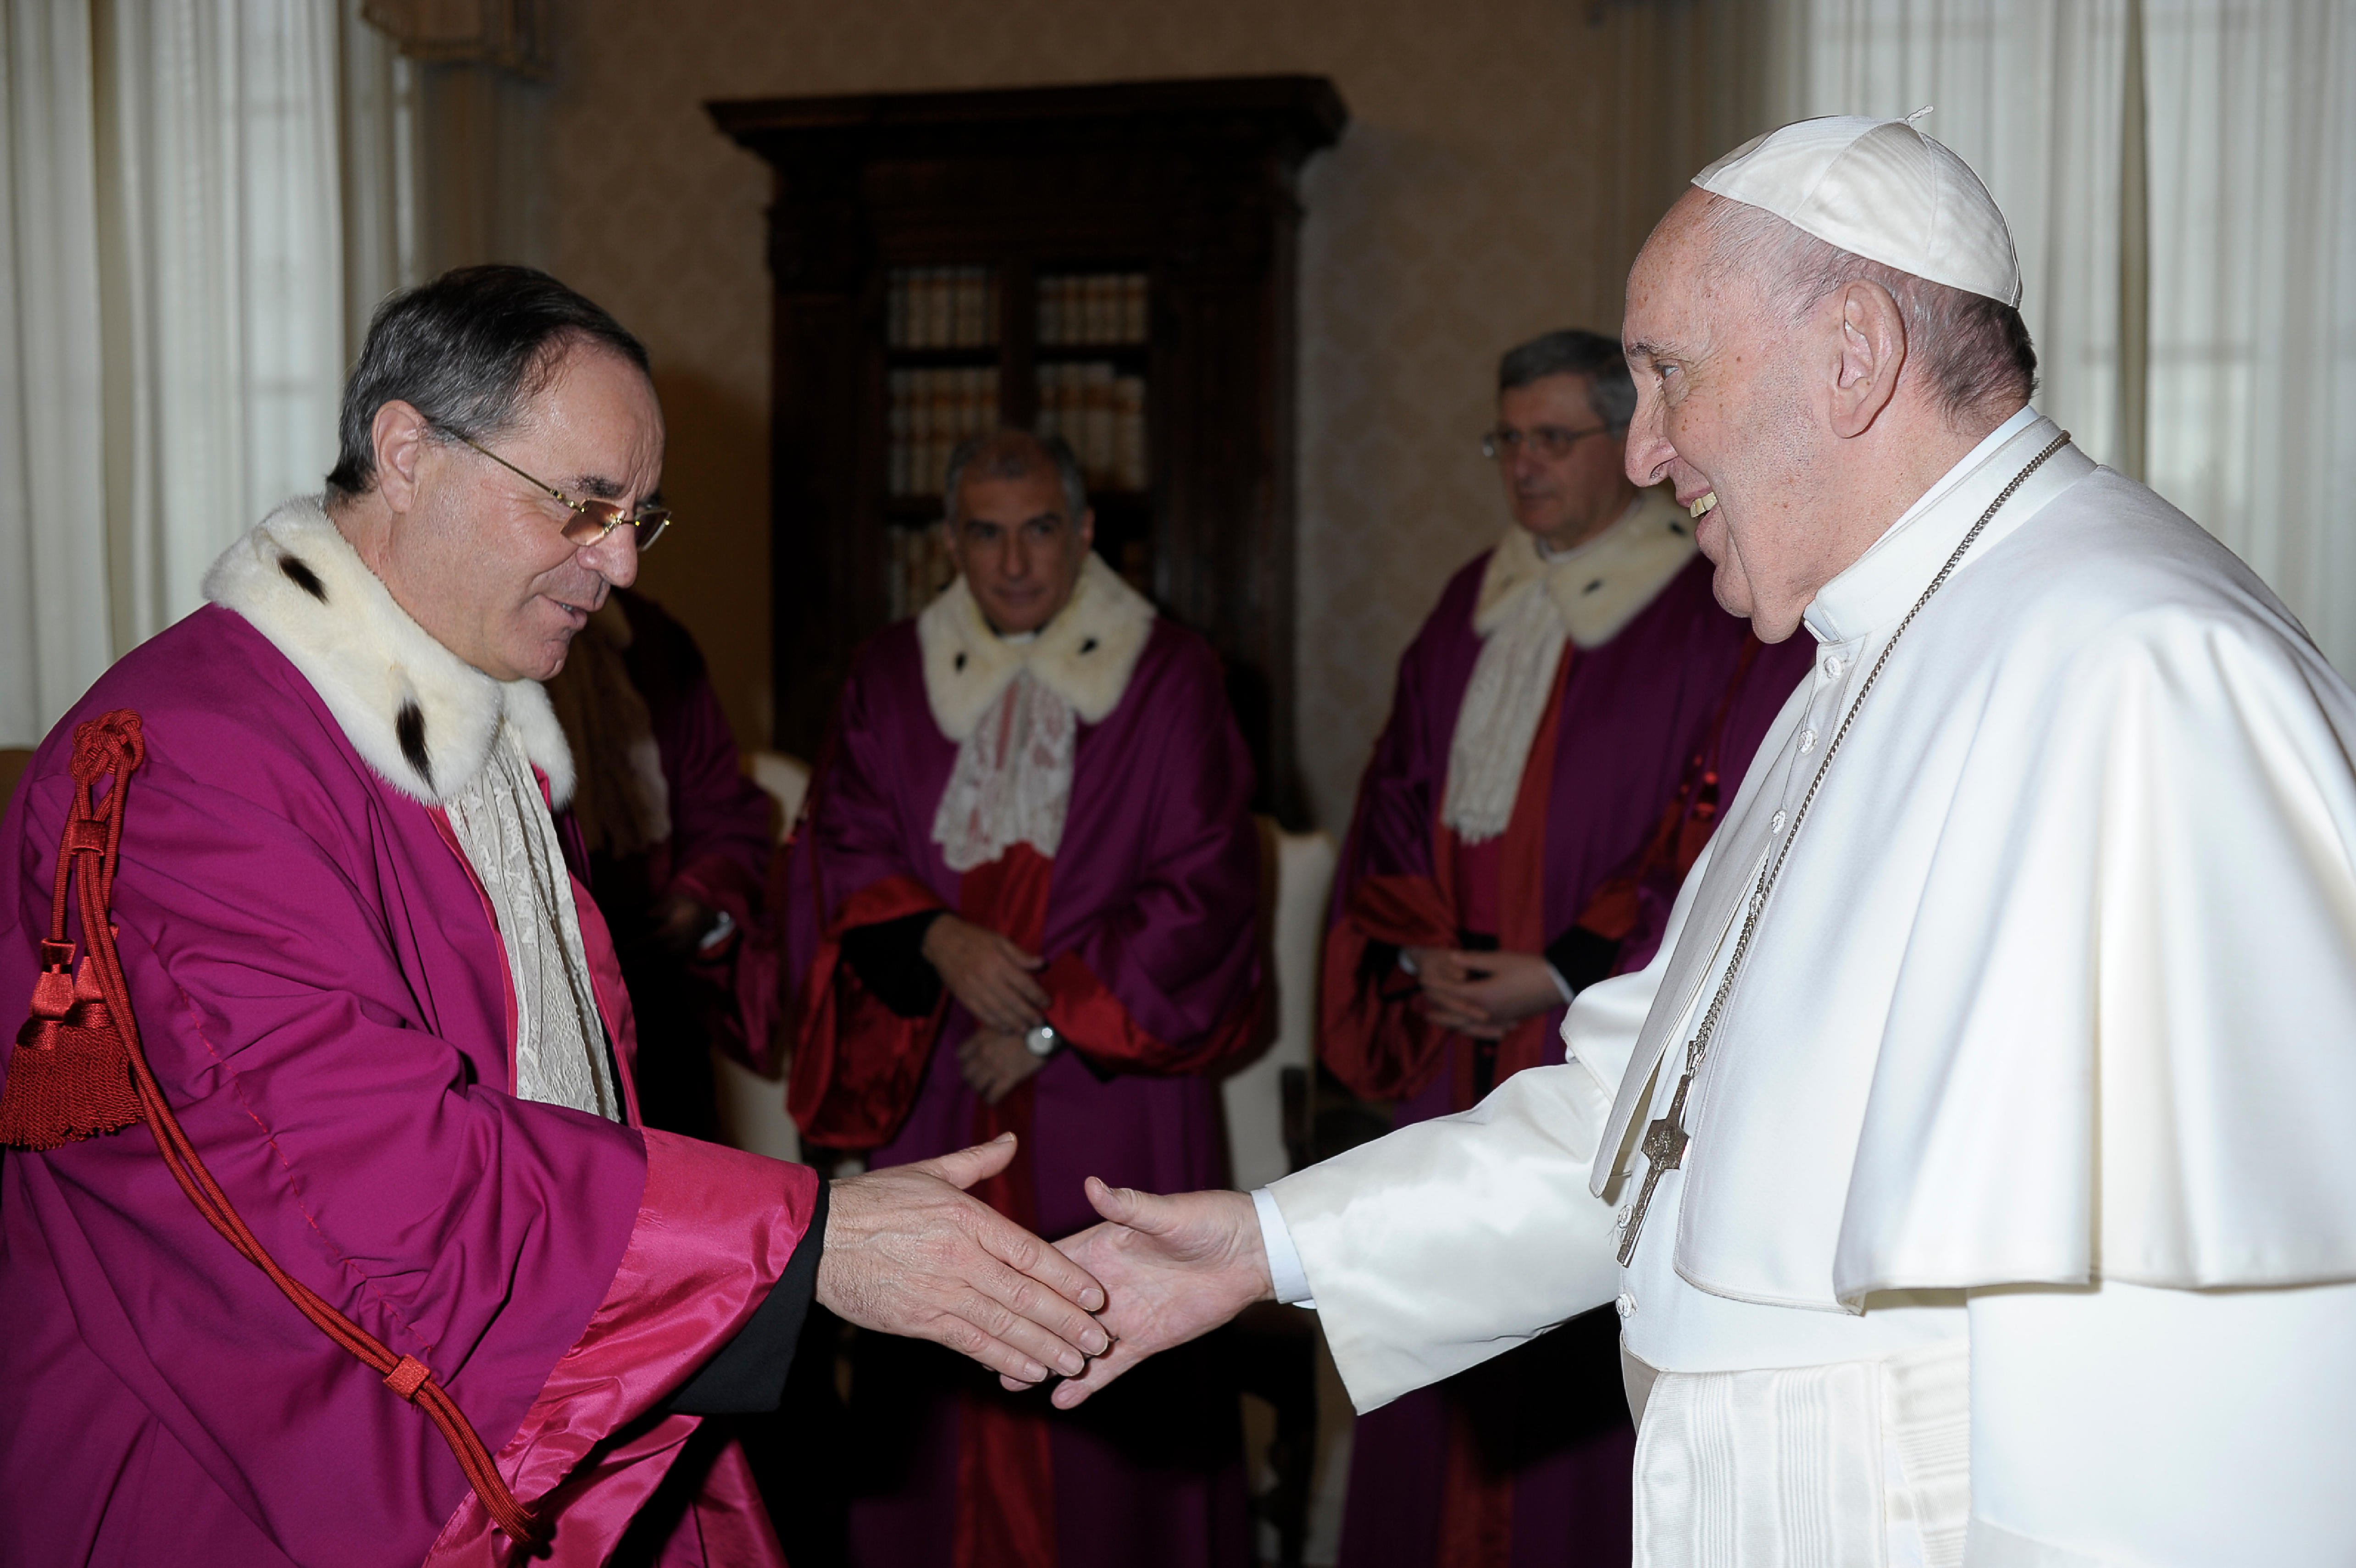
(1006, 1475)
(857, 1064)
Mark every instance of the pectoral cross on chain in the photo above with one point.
(1665, 1149)
(1666, 1140)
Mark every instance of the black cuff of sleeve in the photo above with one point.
(1583, 957)
(889, 959)
(748, 1376)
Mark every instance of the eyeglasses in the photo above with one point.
(1552, 440)
(593, 519)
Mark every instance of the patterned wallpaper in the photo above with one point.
(1505, 160)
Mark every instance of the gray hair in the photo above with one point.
(1611, 391)
(1012, 453)
(467, 350)
(1976, 350)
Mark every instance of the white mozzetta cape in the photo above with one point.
(2060, 984)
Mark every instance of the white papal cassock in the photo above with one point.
(2022, 1188)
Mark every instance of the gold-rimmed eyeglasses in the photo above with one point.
(593, 520)
(1549, 440)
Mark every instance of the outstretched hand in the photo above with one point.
(1174, 1268)
(907, 1252)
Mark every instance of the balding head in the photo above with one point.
(1807, 395)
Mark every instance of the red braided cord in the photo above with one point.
(124, 749)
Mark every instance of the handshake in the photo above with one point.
(907, 1252)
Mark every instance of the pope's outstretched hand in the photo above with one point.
(908, 1252)
(1174, 1268)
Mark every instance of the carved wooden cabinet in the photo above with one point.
(1119, 260)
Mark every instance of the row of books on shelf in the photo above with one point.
(1102, 413)
(927, 414)
(1094, 308)
(917, 566)
(1090, 404)
(942, 307)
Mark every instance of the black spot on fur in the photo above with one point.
(961, 663)
(1089, 646)
(303, 578)
(1678, 528)
(410, 727)
(1592, 586)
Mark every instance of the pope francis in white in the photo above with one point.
(1972, 1171)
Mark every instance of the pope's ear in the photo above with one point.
(399, 434)
(1871, 348)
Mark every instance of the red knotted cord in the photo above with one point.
(113, 745)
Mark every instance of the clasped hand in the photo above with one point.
(992, 976)
(1174, 1268)
(1482, 994)
(907, 1252)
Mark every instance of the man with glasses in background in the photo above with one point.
(1565, 728)
(384, 1015)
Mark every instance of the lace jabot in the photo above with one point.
(1012, 781)
(509, 839)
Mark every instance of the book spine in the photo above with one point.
(1129, 458)
(1097, 458)
(1136, 323)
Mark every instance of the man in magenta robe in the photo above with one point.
(390, 1022)
(1564, 726)
(1025, 898)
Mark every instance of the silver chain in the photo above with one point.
(1698, 1048)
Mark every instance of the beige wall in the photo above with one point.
(1505, 160)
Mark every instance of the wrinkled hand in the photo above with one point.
(994, 1062)
(1483, 994)
(1174, 1268)
(908, 1252)
(990, 974)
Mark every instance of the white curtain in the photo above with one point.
(2238, 397)
(2252, 140)
(53, 606)
(204, 199)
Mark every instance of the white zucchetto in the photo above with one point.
(1881, 189)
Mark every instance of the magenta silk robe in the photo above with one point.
(1152, 913)
(324, 999)
(1546, 1423)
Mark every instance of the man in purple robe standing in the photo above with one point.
(1024, 899)
(1566, 725)
(384, 1015)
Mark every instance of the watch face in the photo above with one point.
(1040, 1041)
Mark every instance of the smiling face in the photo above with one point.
(477, 556)
(1020, 553)
(1724, 413)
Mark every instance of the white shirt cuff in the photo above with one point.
(1284, 1271)
(1569, 995)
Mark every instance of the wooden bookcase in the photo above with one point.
(1157, 223)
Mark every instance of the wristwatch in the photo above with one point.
(1041, 1041)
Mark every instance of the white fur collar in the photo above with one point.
(1084, 655)
(416, 712)
(1601, 585)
